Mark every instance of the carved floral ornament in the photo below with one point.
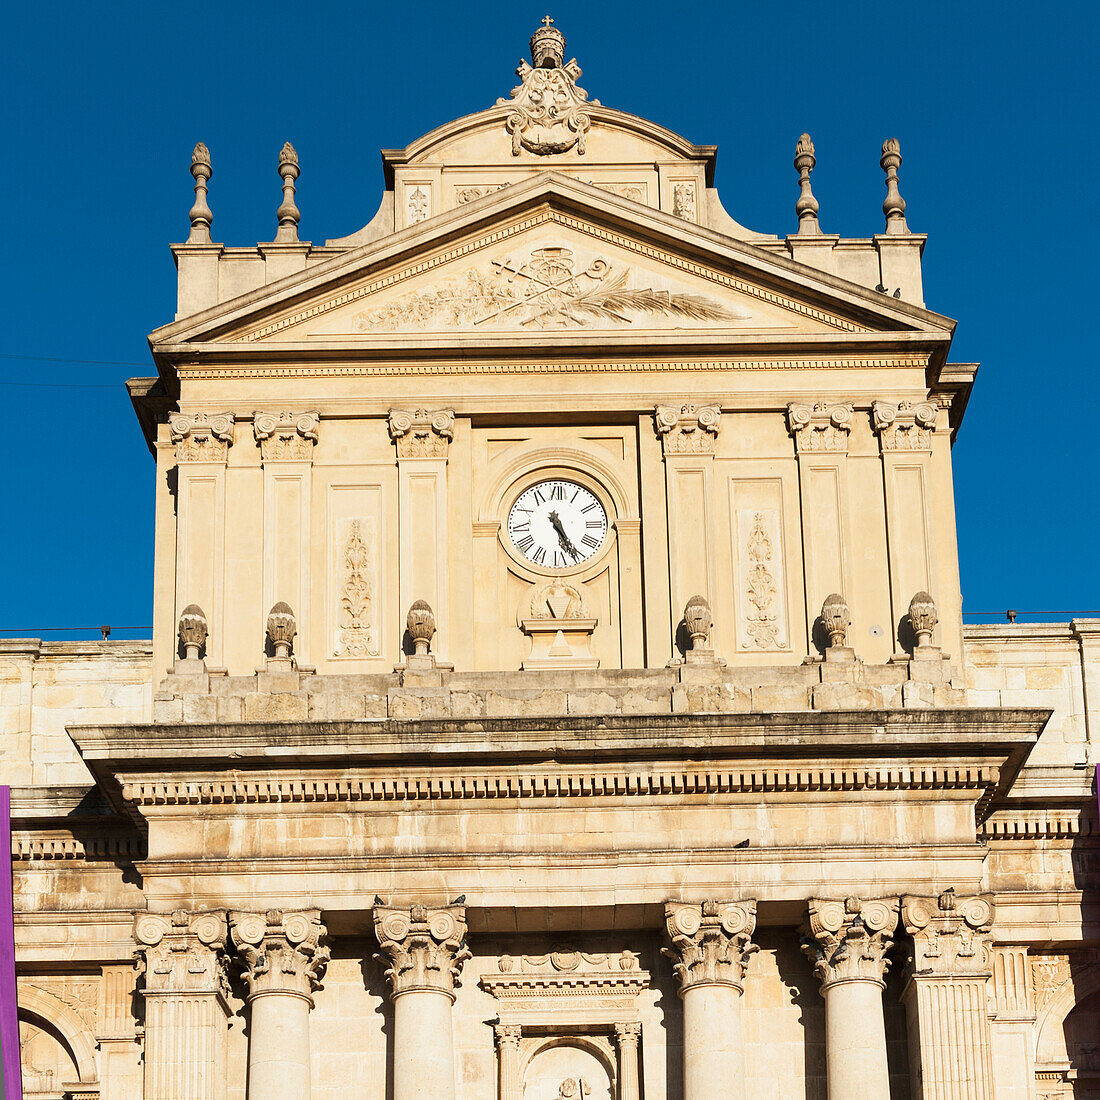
(286, 435)
(182, 952)
(849, 940)
(358, 630)
(201, 437)
(424, 947)
(547, 288)
(821, 426)
(688, 429)
(710, 941)
(422, 433)
(906, 426)
(556, 600)
(281, 952)
(950, 933)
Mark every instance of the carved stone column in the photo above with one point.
(287, 441)
(847, 944)
(709, 944)
(821, 434)
(284, 961)
(423, 441)
(186, 1010)
(689, 436)
(425, 949)
(202, 442)
(508, 1037)
(627, 1036)
(946, 997)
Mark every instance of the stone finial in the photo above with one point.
(922, 619)
(547, 46)
(420, 623)
(200, 214)
(710, 941)
(193, 631)
(288, 213)
(281, 628)
(806, 208)
(836, 618)
(698, 620)
(894, 205)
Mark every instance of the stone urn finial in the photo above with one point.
(807, 206)
(288, 214)
(281, 628)
(836, 618)
(200, 214)
(698, 620)
(894, 205)
(193, 631)
(421, 626)
(922, 618)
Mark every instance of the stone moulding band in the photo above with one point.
(1039, 824)
(27, 846)
(562, 784)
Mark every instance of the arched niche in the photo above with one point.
(1067, 1026)
(569, 1068)
(49, 1016)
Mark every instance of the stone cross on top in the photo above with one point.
(546, 21)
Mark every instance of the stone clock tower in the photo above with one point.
(558, 687)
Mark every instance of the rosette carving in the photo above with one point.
(182, 952)
(424, 947)
(201, 437)
(688, 429)
(281, 952)
(848, 940)
(286, 435)
(710, 941)
(422, 433)
(951, 934)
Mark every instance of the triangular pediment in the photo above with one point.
(550, 256)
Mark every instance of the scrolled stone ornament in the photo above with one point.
(420, 623)
(709, 941)
(849, 940)
(193, 631)
(281, 629)
(922, 618)
(698, 620)
(424, 948)
(836, 617)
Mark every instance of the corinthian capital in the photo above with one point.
(688, 429)
(905, 426)
(820, 427)
(286, 435)
(425, 947)
(281, 952)
(951, 934)
(201, 437)
(710, 941)
(422, 433)
(848, 940)
(182, 952)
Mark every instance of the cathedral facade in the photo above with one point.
(558, 687)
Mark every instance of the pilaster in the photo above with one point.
(689, 437)
(202, 441)
(186, 1009)
(116, 1035)
(422, 438)
(821, 434)
(287, 441)
(627, 1036)
(1012, 1023)
(946, 999)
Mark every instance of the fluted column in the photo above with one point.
(425, 949)
(508, 1037)
(709, 945)
(186, 1010)
(847, 944)
(627, 1036)
(946, 996)
(284, 961)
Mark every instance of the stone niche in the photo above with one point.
(569, 1024)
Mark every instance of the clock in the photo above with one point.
(557, 524)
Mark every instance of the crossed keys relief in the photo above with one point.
(545, 290)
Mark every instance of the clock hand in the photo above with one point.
(563, 539)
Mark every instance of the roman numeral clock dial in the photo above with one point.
(557, 524)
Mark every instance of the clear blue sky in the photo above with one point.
(994, 105)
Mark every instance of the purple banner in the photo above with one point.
(9, 1013)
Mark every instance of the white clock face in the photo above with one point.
(557, 524)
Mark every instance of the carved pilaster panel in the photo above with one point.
(906, 426)
(286, 436)
(820, 427)
(950, 933)
(848, 940)
(183, 952)
(201, 437)
(424, 947)
(710, 941)
(422, 433)
(281, 952)
(1011, 991)
(688, 429)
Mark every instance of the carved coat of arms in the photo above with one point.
(548, 113)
